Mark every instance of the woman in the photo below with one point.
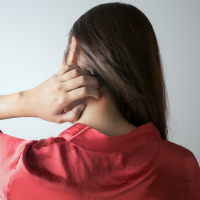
(110, 85)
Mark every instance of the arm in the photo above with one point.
(14, 105)
(49, 100)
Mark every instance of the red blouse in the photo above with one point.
(83, 163)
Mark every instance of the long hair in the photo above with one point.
(119, 46)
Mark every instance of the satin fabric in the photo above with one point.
(83, 163)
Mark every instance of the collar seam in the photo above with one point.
(77, 133)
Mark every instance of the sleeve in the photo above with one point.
(11, 149)
(193, 171)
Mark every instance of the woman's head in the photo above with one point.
(117, 43)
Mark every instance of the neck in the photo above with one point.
(103, 115)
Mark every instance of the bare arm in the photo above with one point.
(48, 100)
(13, 105)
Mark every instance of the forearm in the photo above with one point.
(14, 105)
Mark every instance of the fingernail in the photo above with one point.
(82, 107)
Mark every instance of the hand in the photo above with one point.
(50, 99)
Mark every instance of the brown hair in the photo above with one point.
(118, 44)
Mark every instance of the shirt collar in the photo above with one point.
(93, 140)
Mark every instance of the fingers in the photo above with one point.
(65, 69)
(73, 74)
(81, 81)
(76, 78)
(71, 116)
(80, 93)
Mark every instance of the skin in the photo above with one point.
(59, 98)
(101, 114)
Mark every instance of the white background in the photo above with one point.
(33, 38)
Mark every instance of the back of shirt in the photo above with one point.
(82, 163)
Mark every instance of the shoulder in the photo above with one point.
(178, 155)
(174, 148)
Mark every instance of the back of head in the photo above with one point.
(117, 43)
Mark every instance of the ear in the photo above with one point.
(72, 57)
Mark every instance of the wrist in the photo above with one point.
(26, 104)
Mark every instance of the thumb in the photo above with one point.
(76, 112)
(72, 115)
